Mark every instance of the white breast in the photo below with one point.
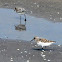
(21, 11)
(43, 44)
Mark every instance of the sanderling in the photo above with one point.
(20, 11)
(42, 42)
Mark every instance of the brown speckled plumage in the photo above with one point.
(45, 40)
(37, 39)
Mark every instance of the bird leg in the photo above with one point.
(42, 47)
(20, 19)
(45, 46)
(25, 18)
(25, 21)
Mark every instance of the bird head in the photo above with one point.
(15, 9)
(35, 38)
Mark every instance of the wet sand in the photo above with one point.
(22, 51)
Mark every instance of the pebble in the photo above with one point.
(14, 3)
(50, 18)
(59, 45)
(26, 55)
(31, 12)
(54, 19)
(41, 52)
(60, 18)
(6, 3)
(31, 43)
(18, 49)
(43, 56)
(11, 60)
(25, 51)
(48, 60)
(33, 55)
(4, 40)
(35, 45)
(50, 50)
(27, 60)
(44, 59)
(19, 41)
(57, 12)
(37, 5)
(22, 56)
(4, 49)
(29, 53)
(21, 52)
(50, 15)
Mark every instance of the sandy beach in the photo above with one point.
(25, 51)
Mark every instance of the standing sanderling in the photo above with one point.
(20, 11)
(42, 42)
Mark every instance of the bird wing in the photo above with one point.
(45, 40)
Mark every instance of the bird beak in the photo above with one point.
(54, 41)
(32, 40)
(14, 9)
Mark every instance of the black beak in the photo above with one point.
(32, 40)
(54, 41)
(14, 10)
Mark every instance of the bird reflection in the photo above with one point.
(20, 27)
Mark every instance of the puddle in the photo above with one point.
(34, 27)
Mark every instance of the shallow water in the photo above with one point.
(34, 27)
